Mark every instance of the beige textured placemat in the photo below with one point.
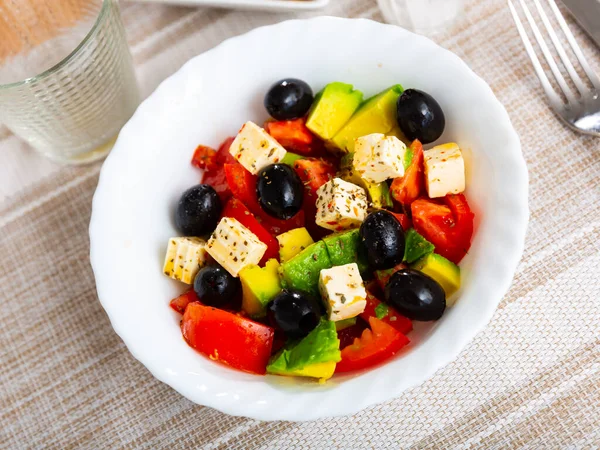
(530, 380)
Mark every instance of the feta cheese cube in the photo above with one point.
(340, 205)
(255, 149)
(343, 291)
(184, 259)
(378, 157)
(234, 246)
(444, 170)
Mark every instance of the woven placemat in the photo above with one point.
(530, 379)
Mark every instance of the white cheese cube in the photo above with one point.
(378, 157)
(340, 205)
(343, 291)
(444, 170)
(255, 149)
(184, 259)
(234, 246)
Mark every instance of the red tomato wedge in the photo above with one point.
(223, 155)
(408, 188)
(377, 344)
(236, 209)
(243, 187)
(228, 338)
(448, 226)
(348, 335)
(314, 173)
(378, 309)
(205, 158)
(215, 176)
(294, 136)
(277, 226)
(218, 181)
(178, 304)
(403, 219)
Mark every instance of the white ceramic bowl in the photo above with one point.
(207, 100)
(267, 5)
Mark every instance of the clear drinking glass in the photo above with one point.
(67, 83)
(422, 16)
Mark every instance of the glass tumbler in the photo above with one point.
(426, 17)
(67, 83)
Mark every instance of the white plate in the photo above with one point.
(268, 5)
(207, 100)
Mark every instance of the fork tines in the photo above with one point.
(581, 112)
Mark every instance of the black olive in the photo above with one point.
(296, 313)
(288, 99)
(214, 286)
(383, 240)
(415, 295)
(419, 116)
(198, 211)
(280, 191)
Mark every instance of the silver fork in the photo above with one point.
(580, 112)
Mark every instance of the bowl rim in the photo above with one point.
(518, 197)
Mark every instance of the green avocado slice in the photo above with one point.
(321, 345)
(290, 158)
(416, 246)
(302, 271)
(259, 286)
(376, 115)
(408, 156)
(378, 193)
(344, 248)
(332, 108)
(441, 270)
(346, 323)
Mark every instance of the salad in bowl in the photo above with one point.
(313, 241)
(262, 317)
